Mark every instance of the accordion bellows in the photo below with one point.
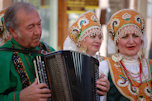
(69, 74)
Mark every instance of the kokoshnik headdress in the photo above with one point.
(86, 25)
(126, 21)
(3, 32)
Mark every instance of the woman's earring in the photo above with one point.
(82, 48)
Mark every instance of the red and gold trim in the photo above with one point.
(133, 90)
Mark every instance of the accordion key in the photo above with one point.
(70, 75)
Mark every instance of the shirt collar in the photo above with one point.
(17, 45)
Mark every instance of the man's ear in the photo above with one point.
(13, 32)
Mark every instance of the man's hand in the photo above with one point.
(103, 85)
(35, 92)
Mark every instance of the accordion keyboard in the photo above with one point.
(70, 75)
(41, 71)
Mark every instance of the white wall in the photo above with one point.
(53, 24)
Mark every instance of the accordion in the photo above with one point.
(70, 75)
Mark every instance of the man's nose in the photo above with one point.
(37, 30)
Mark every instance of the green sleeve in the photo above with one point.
(52, 49)
(9, 91)
(13, 96)
(7, 79)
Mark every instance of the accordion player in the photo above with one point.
(70, 75)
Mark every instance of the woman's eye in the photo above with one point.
(135, 36)
(100, 36)
(124, 37)
(93, 36)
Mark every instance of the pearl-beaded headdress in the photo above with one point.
(125, 21)
(86, 25)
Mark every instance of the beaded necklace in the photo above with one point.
(138, 76)
(128, 74)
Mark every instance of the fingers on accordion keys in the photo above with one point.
(36, 71)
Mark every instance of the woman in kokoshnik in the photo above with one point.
(85, 35)
(130, 73)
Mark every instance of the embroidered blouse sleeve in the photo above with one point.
(103, 68)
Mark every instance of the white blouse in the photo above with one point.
(102, 98)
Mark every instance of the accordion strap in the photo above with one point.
(20, 69)
(18, 63)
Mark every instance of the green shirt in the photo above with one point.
(10, 83)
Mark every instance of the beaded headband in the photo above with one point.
(87, 24)
(125, 21)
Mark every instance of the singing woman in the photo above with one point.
(130, 73)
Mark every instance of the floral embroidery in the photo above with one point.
(121, 19)
(82, 25)
(139, 20)
(122, 82)
(126, 16)
(94, 18)
(147, 91)
(83, 21)
(75, 30)
(141, 98)
(115, 23)
(116, 58)
(133, 90)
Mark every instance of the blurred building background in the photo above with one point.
(58, 15)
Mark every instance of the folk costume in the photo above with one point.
(130, 77)
(86, 25)
(17, 69)
(4, 34)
